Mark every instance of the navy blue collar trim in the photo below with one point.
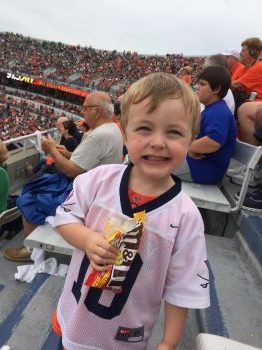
(152, 205)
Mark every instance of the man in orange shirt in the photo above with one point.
(232, 57)
(249, 78)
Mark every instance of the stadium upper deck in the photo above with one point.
(84, 66)
(22, 113)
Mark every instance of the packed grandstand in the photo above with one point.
(43, 80)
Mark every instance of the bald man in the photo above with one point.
(103, 144)
(59, 123)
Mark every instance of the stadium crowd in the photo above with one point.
(27, 113)
(90, 69)
(157, 140)
(65, 106)
(96, 69)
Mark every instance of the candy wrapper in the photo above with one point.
(124, 235)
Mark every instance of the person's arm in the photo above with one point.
(99, 251)
(250, 79)
(66, 166)
(174, 323)
(236, 85)
(70, 224)
(204, 145)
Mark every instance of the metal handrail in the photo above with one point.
(29, 136)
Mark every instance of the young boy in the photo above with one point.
(160, 117)
(209, 155)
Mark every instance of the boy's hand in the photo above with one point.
(100, 253)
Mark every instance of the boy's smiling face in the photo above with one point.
(158, 142)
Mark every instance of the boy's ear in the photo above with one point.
(217, 90)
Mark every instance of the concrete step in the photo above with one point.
(25, 309)
(236, 295)
(27, 325)
(10, 291)
(250, 231)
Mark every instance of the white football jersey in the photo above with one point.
(171, 263)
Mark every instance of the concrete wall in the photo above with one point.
(18, 166)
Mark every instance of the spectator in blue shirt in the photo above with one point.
(209, 154)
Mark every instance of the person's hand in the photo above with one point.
(62, 149)
(100, 253)
(196, 155)
(48, 144)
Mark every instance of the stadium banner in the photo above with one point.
(40, 82)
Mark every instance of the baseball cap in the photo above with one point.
(231, 52)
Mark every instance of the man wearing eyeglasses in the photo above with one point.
(103, 144)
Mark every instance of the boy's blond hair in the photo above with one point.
(3, 152)
(159, 87)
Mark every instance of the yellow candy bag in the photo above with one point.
(124, 235)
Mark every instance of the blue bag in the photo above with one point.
(41, 197)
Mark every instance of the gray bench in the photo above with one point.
(214, 342)
(9, 215)
(222, 197)
(47, 238)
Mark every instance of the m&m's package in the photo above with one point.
(125, 235)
